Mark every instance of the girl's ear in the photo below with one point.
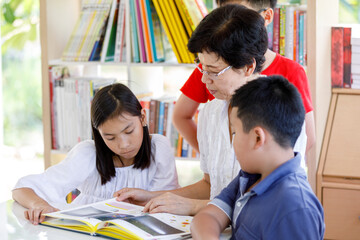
(143, 117)
(268, 15)
(260, 137)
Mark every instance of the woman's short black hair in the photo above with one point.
(273, 103)
(233, 32)
(256, 4)
(109, 102)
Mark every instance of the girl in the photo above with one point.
(122, 154)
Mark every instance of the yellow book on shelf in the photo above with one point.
(160, 13)
(119, 220)
(184, 17)
(177, 29)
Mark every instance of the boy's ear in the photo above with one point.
(260, 137)
(143, 117)
(268, 16)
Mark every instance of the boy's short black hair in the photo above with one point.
(233, 32)
(272, 103)
(256, 4)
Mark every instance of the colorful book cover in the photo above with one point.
(184, 17)
(337, 57)
(110, 53)
(156, 32)
(120, 33)
(270, 29)
(282, 30)
(109, 27)
(347, 57)
(289, 32)
(145, 25)
(192, 11)
(301, 38)
(140, 32)
(134, 34)
(161, 117)
(276, 30)
(178, 31)
(167, 30)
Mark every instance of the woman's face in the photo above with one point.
(124, 135)
(224, 86)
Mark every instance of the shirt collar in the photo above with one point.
(291, 166)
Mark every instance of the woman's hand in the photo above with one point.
(175, 204)
(35, 215)
(135, 196)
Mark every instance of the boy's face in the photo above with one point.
(243, 143)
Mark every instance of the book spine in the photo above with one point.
(140, 32)
(289, 32)
(161, 117)
(152, 116)
(276, 30)
(282, 27)
(134, 34)
(337, 56)
(347, 58)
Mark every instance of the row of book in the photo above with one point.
(70, 99)
(287, 32)
(345, 57)
(159, 117)
(99, 34)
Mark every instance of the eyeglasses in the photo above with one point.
(211, 75)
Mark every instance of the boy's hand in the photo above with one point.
(34, 215)
(134, 195)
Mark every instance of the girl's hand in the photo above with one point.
(34, 215)
(175, 204)
(134, 195)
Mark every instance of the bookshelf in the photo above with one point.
(56, 17)
(57, 20)
(338, 176)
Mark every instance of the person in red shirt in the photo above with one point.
(194, 91)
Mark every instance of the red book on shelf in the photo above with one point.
(337, 57)
(347, 58)
(276, 29)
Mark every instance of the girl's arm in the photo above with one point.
(209, 223)
(184, 111)
(184, 201)
(36, 205)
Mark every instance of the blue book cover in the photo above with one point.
(161, 117)
(134, 35)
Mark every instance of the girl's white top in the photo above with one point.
(217, 156)
(78, 170)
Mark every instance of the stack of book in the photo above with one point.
(345, 57)
(287, 32)
(99, 34)
(70, 99)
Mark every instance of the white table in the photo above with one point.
(14, 226)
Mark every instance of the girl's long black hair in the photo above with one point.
(109, 102)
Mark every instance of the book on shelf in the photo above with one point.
(345, 56)
(120, 33)
(70, 106)
(108, 50)
(287, 33)
(120, 220)
(86, 36)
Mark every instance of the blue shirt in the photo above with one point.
(281, 206)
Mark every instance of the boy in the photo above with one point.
(270, 198)
(194, 91)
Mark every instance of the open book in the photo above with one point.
(120, 220)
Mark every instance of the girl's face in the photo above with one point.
(224, 86)
(124, 135)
